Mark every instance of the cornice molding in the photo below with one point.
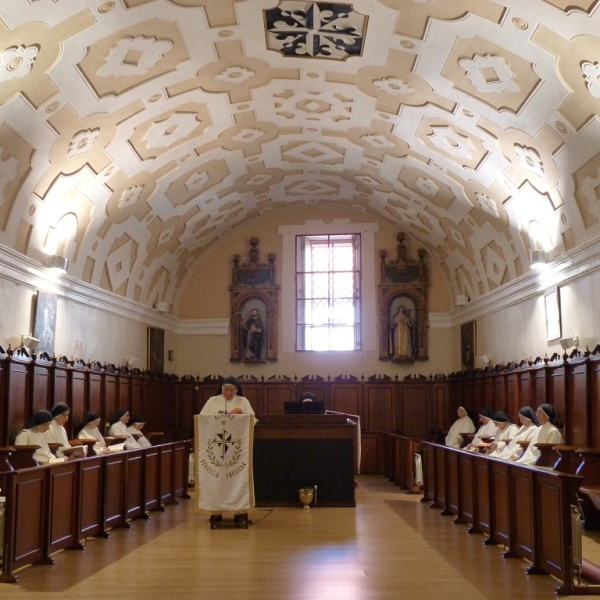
(22, 270)
(583, 260)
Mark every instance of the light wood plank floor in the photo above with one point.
(391, 546)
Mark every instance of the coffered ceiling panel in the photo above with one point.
(135, 134)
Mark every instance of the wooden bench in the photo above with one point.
(57, 506)
(525, 508)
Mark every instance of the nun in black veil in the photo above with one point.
(512, 450)
(487, 428)
(33, 434)
(547, 433)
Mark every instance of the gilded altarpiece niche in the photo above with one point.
(403, 315)
(254, 309)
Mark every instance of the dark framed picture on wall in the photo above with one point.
(468, 337)
(156, 349)
(553, 318)
(44, 322)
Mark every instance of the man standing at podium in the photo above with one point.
(225, 455)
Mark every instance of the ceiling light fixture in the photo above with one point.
(57, 263)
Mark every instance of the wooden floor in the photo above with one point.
(391, 546)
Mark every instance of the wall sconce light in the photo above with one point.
(461, 300)
(132, 362)
(57, 263)
(486, 360)
(29, 342)
(540, 258)
(566, 343)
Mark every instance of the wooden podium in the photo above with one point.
(295, 451)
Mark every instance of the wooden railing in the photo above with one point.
(526, 509)
(58, 506)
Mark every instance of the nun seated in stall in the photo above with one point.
(547, 433)
(513, 449)
(88, 429)
(463, 424)
(505, 430)
(118, 427)
(57, 433)
(135, 430)
(33, 434)
(486, 429)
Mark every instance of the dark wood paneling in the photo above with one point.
(19, 400)
(114, 473)
(92, 499)
(345, 397)
(523, 510)
(79, 399)
(379, 407)
(275, 395)
(151, 479)
(95, 396)
(42, 387)
(512, 401)
(124, 385)
(413, 404)
(64, 499)
(499, 393)
(31, 497)
(111, 398)
(577, 419)
(134, 501)
(166, 475)
(371, 449)
(137, 406)
(500, 528)
(525, 388)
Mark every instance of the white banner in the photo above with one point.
(224, 474)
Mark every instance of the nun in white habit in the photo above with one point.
(512, 450)
(505, 430)
(33, 434)
(57, 433)
(546, 433)
(119, 427)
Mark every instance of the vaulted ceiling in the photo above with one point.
(135, 134)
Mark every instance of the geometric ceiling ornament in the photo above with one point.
(82, 141)
(315, 29)
(531, 157)
(330, 107)
(495, 266)
(219, 13)
(133, 56)
(233, 74)
(15, 159)
(457, 145)
(587, 191)
(312, 187)
(119, 263)
(192, 183)
(312, 153)
(28, 53)
(415, 16)
(491, 73)
(170, 130)
(576, 64)
(394, 84)
(585, 6)
(130, 197)
(367, 180)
